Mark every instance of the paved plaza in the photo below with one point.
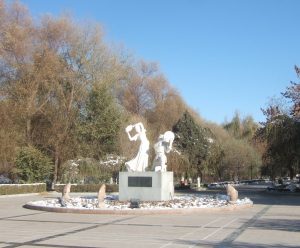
(273, 221)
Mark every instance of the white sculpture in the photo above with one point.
(162, 146)
(140, 162)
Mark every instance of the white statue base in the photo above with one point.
(146, 186)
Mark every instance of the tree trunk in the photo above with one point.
(219, 174)
(56, 164)
(28, 131)
(291, 172)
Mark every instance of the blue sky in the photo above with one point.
(221, 55)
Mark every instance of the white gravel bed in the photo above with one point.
(112, 203)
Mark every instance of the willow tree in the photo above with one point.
(83, 61)
(242, 128)
(293, 94)
(281, 135)
(136, 92)
(25, 74)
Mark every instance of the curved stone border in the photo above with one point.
(137, 211)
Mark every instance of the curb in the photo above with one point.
(137, 211)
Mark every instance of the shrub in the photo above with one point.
(91, 171)
(88, 187)
(33, 166)
(10, 189)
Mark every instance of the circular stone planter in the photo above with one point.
(180, 205)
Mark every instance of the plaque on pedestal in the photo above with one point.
(146, 186)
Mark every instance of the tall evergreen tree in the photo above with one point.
(101, 121)
(192, 140)
(234, 127)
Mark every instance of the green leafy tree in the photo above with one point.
(239, 158)
(214, 161)
(242, 155)
(33, 166)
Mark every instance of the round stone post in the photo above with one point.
(198, 182)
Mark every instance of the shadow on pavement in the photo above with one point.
(207, 244)
(252, 245)
(278, 224)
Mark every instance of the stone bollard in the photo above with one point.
(66, 191)
(101, 196)
(198, 182)
(65, 198)
(232, 193)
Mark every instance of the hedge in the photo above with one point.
(11, 189)
(87, 187)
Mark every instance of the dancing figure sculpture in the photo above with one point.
(140, 162)
(162, 146)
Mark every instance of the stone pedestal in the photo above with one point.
(146, 186)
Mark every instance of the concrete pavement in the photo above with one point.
(273, 221)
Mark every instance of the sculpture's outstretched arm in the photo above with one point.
(128, 130)
(132, 138)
